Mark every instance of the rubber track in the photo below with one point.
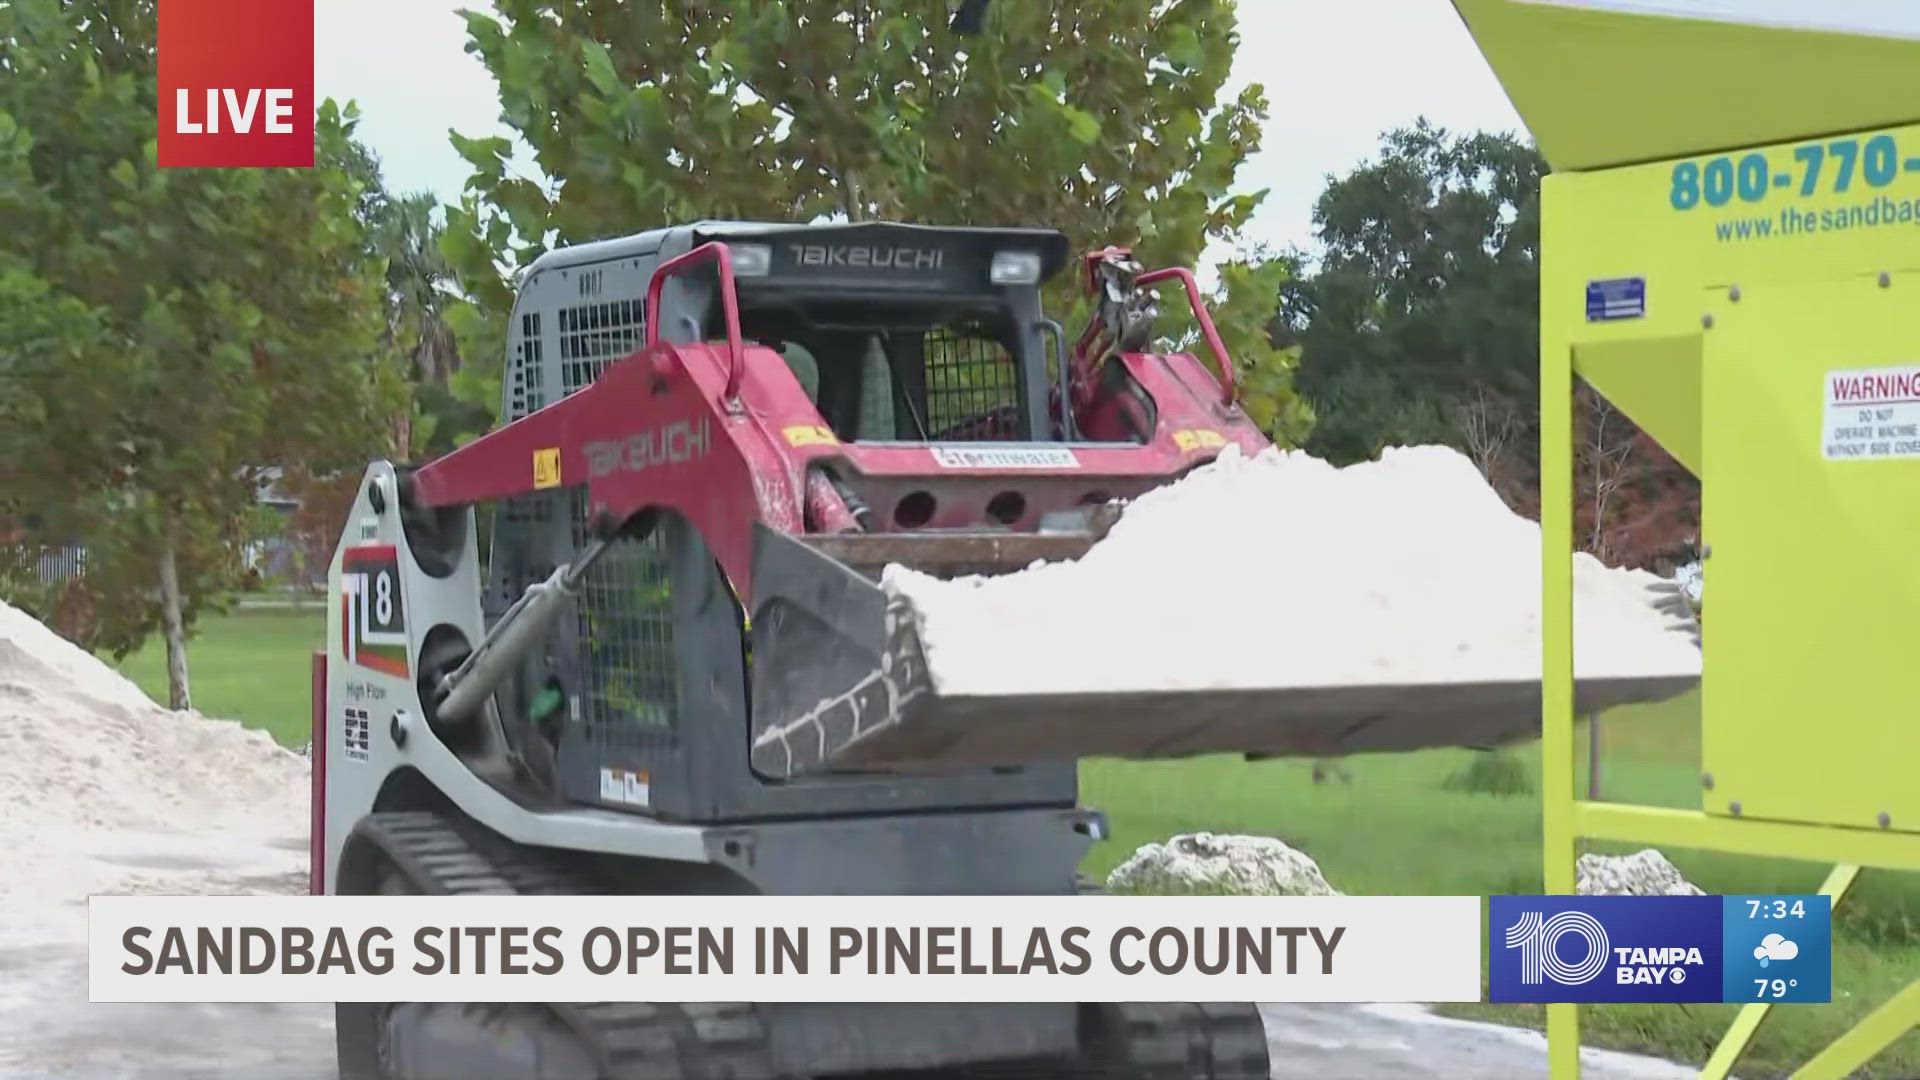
(632, 1040)
(661, 1041)
(1182, 1041)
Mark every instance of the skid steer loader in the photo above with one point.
(675, 670)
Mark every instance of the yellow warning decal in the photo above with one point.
(1196, 438)
(810, 435)
(546, 467)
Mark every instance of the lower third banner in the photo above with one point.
(783, 948)
(1582, 949)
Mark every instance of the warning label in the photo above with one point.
(625, 786)
(1872, 413)
(356, 733)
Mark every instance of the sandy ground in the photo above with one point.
(49, 1030)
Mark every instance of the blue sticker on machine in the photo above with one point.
(1616, 298)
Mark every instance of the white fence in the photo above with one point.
(55, 565)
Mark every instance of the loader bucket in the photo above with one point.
(840, 683)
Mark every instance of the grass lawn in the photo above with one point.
(1393, 830)
(253, 666)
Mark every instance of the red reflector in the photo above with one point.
(317, 825)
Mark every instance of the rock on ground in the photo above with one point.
(1210, 862)
(1644, 873)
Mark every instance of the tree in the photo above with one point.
(1487, 426)
(1607, 445)
(1420, 324)
(1101, 119)
(407, 240)
(169, 335)
(425, 324)
(424, 308)
(1634, 503)
(1422, 316)
(1264, 371)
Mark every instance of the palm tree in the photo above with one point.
(419, 283)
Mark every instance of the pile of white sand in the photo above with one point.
(1282, 570)
(97, 780)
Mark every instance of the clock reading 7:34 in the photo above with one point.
(1776, 909)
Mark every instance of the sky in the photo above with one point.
(1337, 74)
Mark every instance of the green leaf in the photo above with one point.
(599, 67)
(1084, 125)
(1183, 47)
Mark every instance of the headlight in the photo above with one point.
(751, 260)
(1014, 268)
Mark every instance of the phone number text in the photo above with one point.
(1835, 167)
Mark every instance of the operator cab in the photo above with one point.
(903, 333)
(898, 333)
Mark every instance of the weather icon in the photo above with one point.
(1774, 947)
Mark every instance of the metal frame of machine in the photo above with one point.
(1725, 369)
(1716, 243)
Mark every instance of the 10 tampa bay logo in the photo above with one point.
(1539, 938)
(1605, 949)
